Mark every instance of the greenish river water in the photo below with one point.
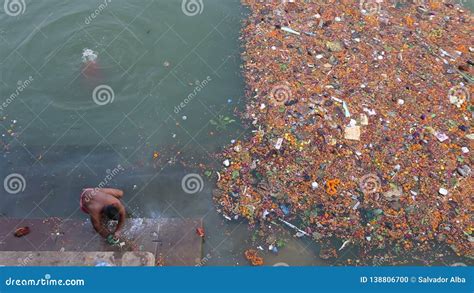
(160, 73)
(164, 76)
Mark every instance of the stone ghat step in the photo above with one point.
(76, 258)
(172, 241)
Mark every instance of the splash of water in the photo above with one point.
(89, 55)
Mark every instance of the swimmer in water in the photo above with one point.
(91, 68)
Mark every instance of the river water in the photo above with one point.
(163, 75)
(135, 111)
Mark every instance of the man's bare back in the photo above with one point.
(103, 205)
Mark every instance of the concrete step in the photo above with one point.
(79, 258)
(172, 241)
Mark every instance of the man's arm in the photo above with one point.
(121, 222)
(112, 191)
(97, 224)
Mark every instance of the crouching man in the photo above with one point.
(104, 205)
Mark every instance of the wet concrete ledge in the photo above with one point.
(172, 241)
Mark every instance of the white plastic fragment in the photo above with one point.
(279, 143)
(370, 112)
(293, 227)
(346, 110)
(352, 132)
(356, 205)
(441, 136)
(290, 30)
(344, 244)
(455, 100)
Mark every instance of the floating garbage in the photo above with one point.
(344, 244)
(253, 257)
(289, 30)
(361, 103)
(443, 191)
(279, 143)
(200, 232)
(352, 132)
(294, 227)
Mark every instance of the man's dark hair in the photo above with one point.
(111, 212)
